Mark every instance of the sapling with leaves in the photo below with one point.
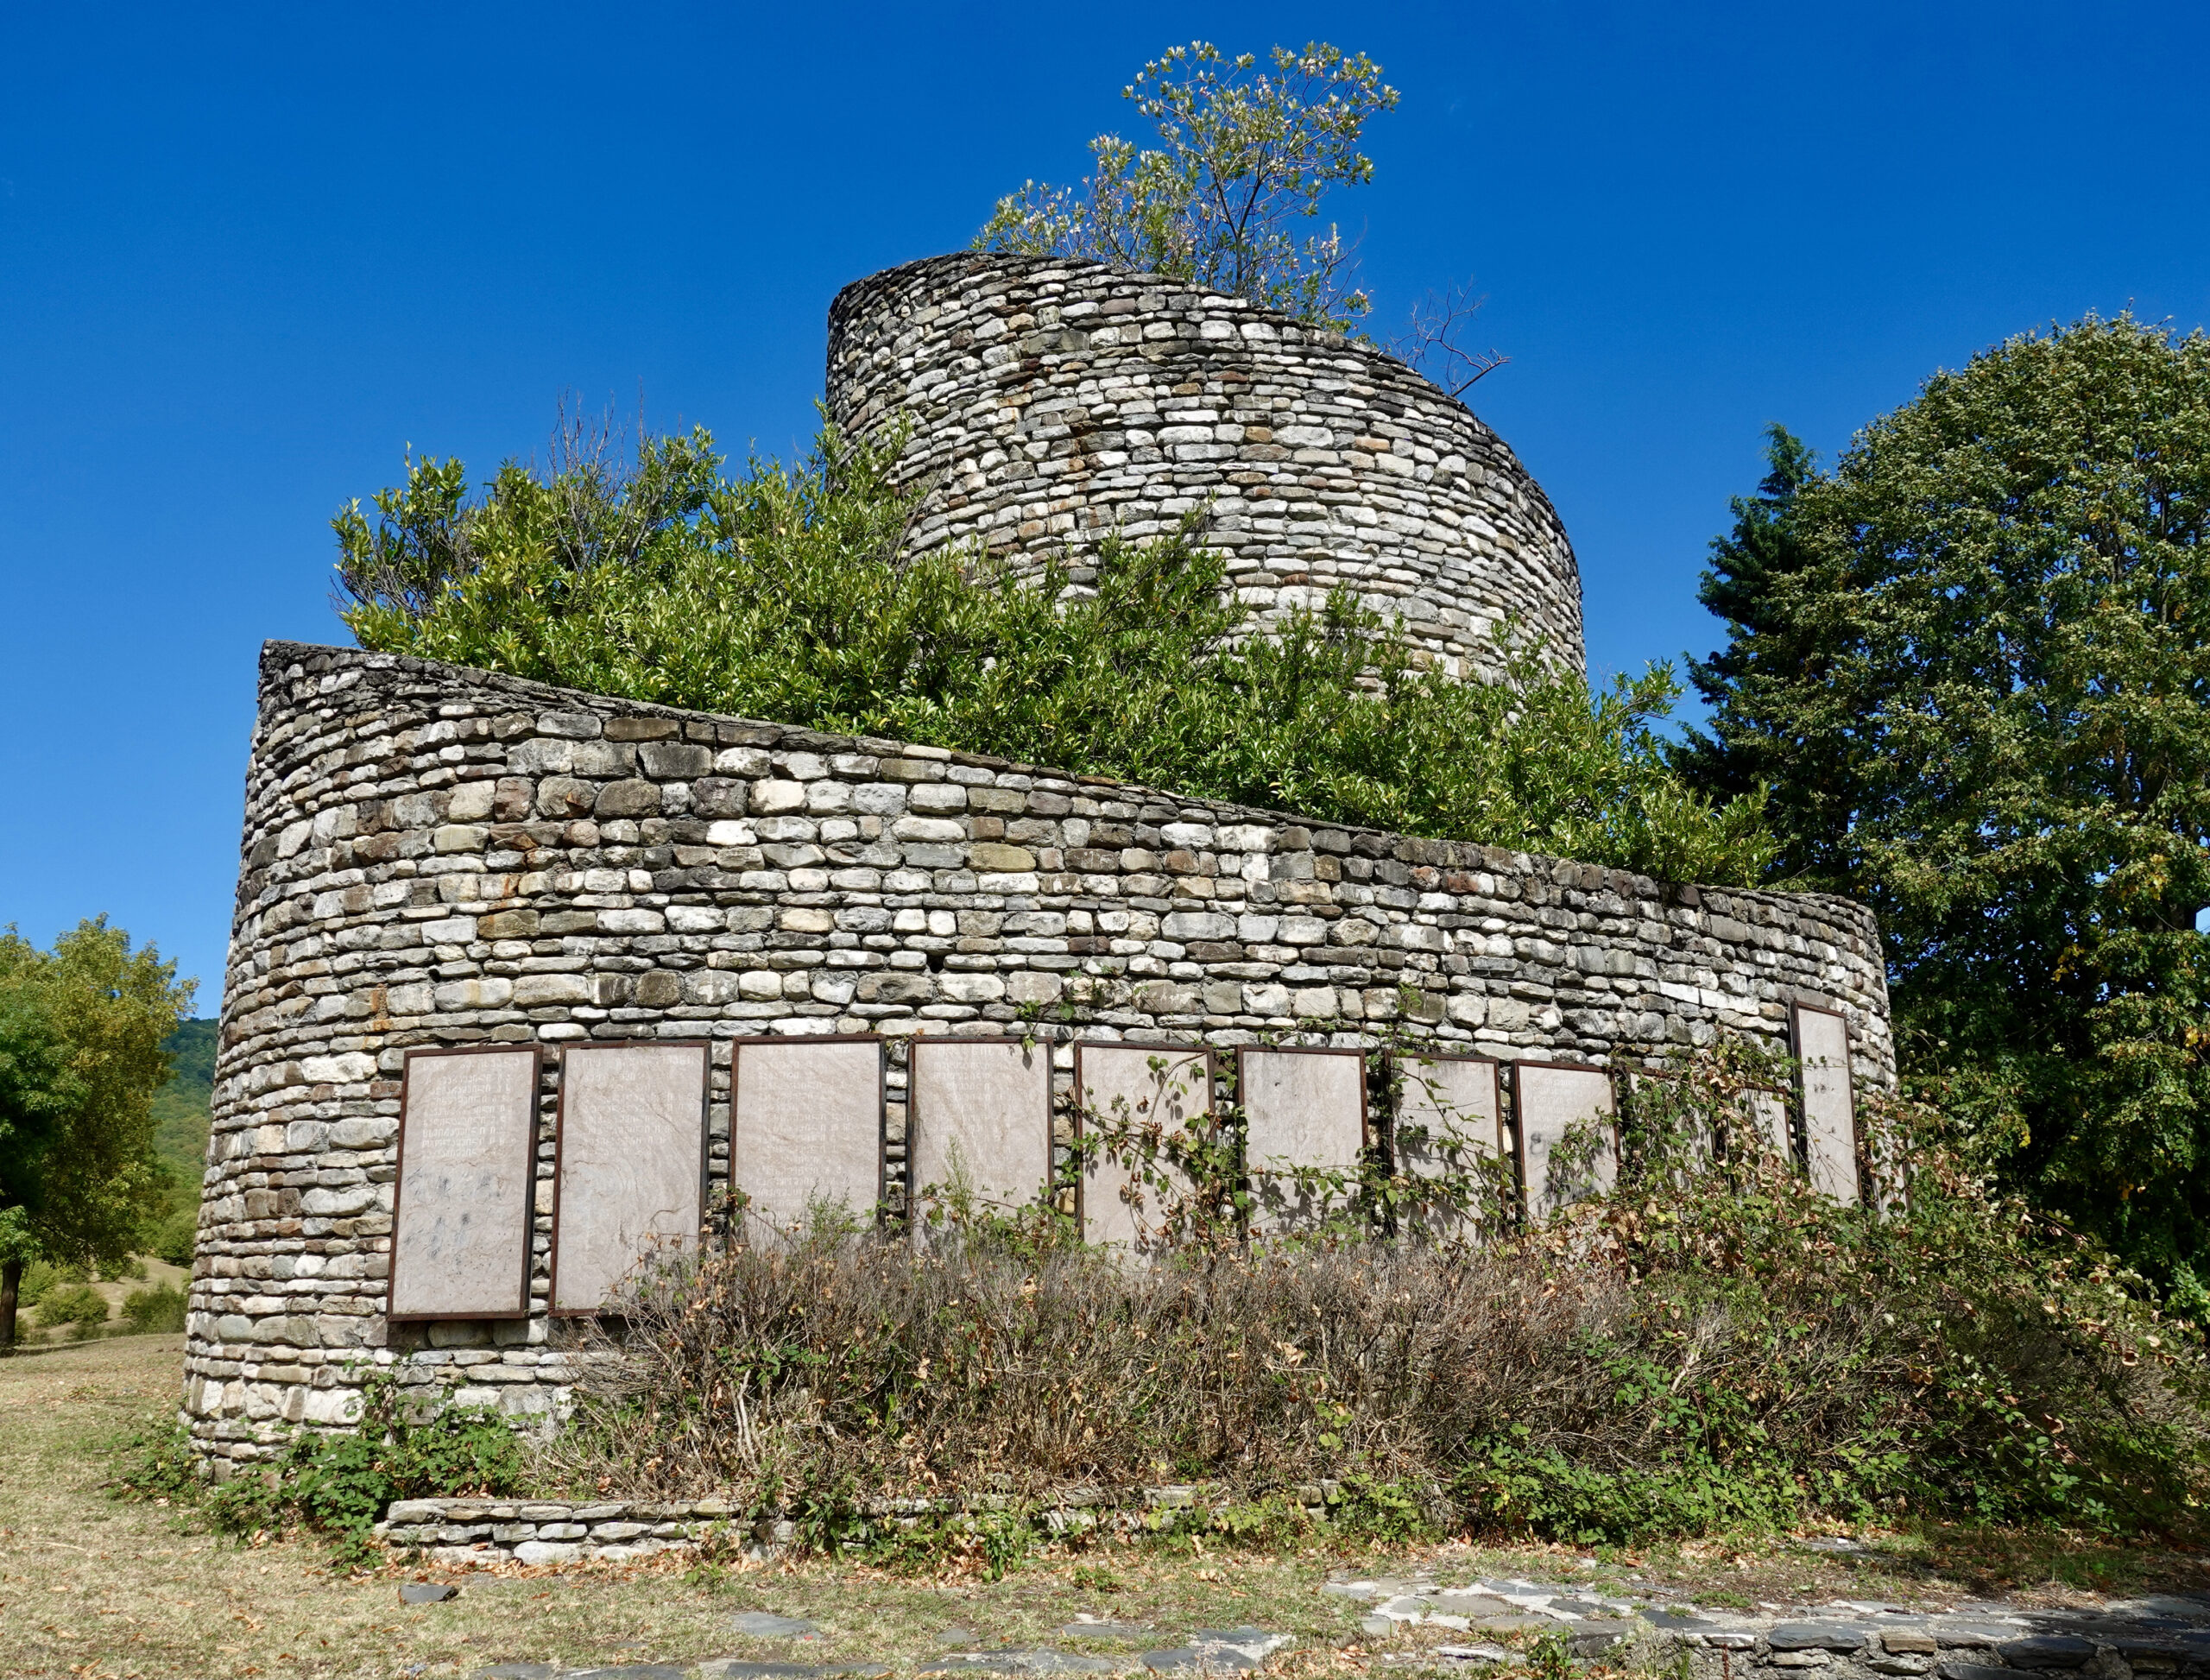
(1247, 155)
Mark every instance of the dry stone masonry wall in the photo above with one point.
(1054, 401)
(437, 859)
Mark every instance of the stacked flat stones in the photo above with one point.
(439, 857)
(1051, 402)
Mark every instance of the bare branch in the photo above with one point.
(1433, 341)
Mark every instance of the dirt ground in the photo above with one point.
(93, 1586)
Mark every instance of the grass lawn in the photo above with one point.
(90, 1586)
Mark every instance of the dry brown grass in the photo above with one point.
(91, 1586)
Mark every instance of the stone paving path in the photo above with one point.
(2161, 1637)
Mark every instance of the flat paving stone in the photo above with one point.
(1951, 1668)
(1219, 1648)
(426, 1592)
(1476, 1653)
(1112, 1632)
(1593, 1638)
(627, 1671)
(1473, 1606)
(1952, 1631)
(1186, 1658)
(764, 1625)
(1026, 1662)
(1817, 1636)
(516, 1671)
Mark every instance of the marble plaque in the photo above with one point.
(1829, 1106)
(1654, 1118)
(1447, 1113)
(1768, 1113)
(1556, 1104)
(632, 1163)
(1134, 1088)
(1448, 1125)
(806, 1128)
(978, 1110)
(467, 1180)
(1301, 1108)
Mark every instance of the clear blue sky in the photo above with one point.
(248, 256)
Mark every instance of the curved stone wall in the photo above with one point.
(438, 857)
(1054, 402)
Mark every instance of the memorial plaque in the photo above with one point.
(1768, 1113)
(1301, 1109)
(978, 1110)
(1448, 1124)
(632, 1163)
(805, 1122)
(1829, 1105)
(1133, 1089)
(467, 1180)
(1558, 1105)
(1654, 1120)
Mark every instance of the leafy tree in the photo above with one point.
(1246, 157)
(1975, 661)
(784, 594)
(81, 1028)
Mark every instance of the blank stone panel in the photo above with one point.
(1556, 1103)
(979, 1109)
(632, 1163)
(1452, 1101)
(1829, 1105)
(805, 1122)
(1768, 1111)
(1448, 1123)
(1301, 1108)
(1134, 1086)
(467, 1171)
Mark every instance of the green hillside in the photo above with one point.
(180, 1106)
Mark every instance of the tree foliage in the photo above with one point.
(783, 594)
(81, 1030)
(1974, 661)
(1246, 156)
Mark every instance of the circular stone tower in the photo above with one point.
(1054, 401)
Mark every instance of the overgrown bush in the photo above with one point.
(338, 1482)
(77, 1305)
(784, 594)
(161, 1308)
(1713, 1345)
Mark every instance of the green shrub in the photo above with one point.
(339, 1482)
(161, 1308)
(173, 1238)
(72, 1303)
(39, 1277)
(784, 595)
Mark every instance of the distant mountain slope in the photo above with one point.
(180, 1106)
